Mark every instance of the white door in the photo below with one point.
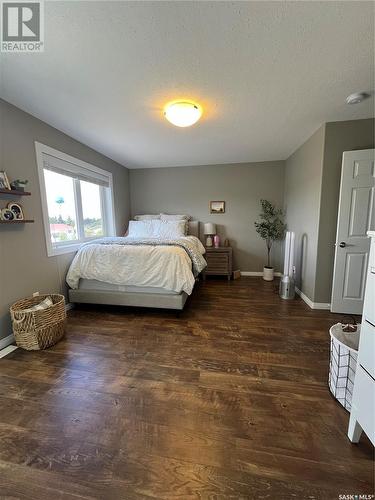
(356, 216)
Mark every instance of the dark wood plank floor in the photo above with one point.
(228, 401)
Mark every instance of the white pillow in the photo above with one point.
(156, 229)
(174, 217)
(169, 217)
(141, 229)
(147, 217)
(169, 229)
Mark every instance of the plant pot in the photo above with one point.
(268, 273)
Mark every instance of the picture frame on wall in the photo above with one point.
(4, 181)
(217, 207)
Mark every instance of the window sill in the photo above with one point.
(52, 251)
(63, 249)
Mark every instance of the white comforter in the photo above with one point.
(168, 267)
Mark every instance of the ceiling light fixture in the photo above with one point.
(182, 113)
(357, 97)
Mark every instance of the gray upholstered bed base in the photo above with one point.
(92, 295)
(135, 299)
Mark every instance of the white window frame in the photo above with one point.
(107, 207)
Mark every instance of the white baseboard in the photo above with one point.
(7, 350)
(310, 303)
(6, 341)
(257, 273)
(305, 298)
(5, 345)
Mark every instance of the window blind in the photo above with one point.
(69, 169)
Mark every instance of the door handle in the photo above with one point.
(342, 244)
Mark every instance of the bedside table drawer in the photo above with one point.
(217, 259)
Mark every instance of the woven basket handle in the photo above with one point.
(21, 316)
(349, 326)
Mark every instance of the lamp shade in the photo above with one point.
(209, 228)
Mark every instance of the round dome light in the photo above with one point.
(183, 113)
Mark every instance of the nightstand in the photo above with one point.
(219, 261)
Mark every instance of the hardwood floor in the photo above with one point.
(228, 401)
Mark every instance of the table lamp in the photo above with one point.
(209, 231)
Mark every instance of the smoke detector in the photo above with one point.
(357, 97)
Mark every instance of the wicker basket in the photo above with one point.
(38, 329)
(343, 364)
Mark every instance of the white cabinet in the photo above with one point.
(369, 303)
(366, 357)
(362, 416)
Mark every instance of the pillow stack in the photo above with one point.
(147, 217)
(161, 230)
(186, 218)
(154, 228)
(174, 217)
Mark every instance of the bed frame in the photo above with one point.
(134, 299)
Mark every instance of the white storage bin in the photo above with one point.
(343, 363)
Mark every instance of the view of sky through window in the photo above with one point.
(62, 208)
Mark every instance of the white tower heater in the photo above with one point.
(287, 283)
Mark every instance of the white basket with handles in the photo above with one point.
(343, 363)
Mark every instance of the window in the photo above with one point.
(76, 200)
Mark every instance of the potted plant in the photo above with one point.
(271, 227)
(19, 185)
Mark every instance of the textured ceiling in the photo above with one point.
(266, 73)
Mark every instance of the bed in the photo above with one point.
(141, 269)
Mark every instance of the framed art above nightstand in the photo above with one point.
(219, 262)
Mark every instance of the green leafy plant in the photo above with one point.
(18, 182)
(271, 227)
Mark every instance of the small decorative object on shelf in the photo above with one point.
(13, 213)
(226, 242)
(217, 207)
(7, 215)
(19, 185)
(17, 210)
(4, 181)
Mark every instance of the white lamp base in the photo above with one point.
(209, 241)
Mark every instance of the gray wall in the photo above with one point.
(189, 190)
(303, 178)
(24, 265)
(339, 137)
(312, 188)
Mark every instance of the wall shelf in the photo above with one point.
(25, 221)
(14, 192)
